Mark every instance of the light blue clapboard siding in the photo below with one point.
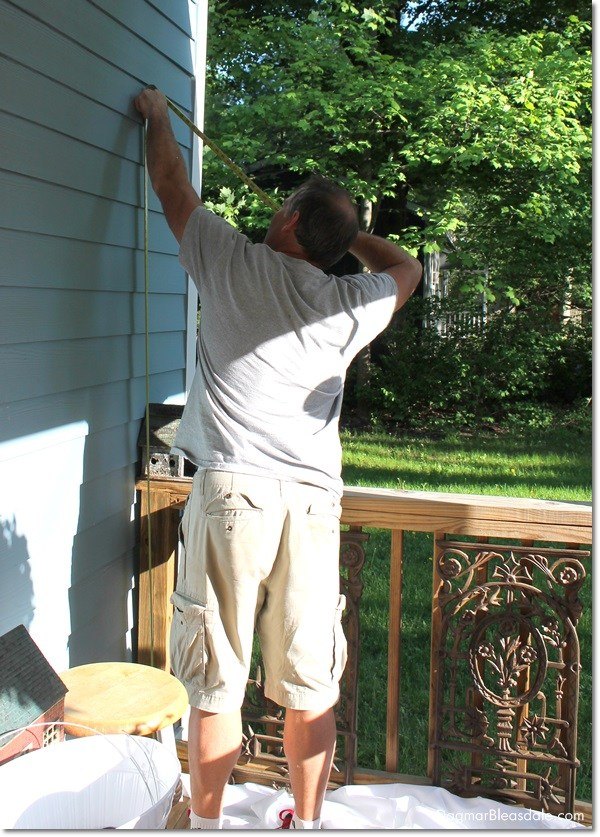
(102, 639)
(152, 26)
(98, 545)
(37, 260)
(25, 91)
(175, 12)
(28, 41)
(104, 450)
(81, 314)
(36, 206)
(104, 496)
(114, 445)
(101, 407)
(72, 308)
(88, 596)
(58, 159)
(32, 369)
(93, 31)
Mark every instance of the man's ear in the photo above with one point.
(292, 222)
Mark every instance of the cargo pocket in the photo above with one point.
(340, 653)
(323, 519)
(187, 640)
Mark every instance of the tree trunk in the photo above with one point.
(366, 215)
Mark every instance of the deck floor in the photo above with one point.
(178, 818)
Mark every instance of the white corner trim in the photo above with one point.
(199, 17)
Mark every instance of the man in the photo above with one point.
(260, 532)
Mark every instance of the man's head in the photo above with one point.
(321, 217)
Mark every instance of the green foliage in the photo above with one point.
(480, 114)
(500, 151)
(444, 19)
(520, 367)
(228, 205)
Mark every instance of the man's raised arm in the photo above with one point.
(166, 166)
(381, 256)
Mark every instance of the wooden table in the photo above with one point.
(123, 697)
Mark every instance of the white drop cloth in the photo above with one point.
(382, 806)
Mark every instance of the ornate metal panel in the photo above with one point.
(505, 655)
(263, 720)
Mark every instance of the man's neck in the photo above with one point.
(296, 253)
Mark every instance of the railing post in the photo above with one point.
(156, 577)
(436, 627)
(394, 650)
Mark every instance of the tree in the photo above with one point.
(488, 131)
(477, 113)
(445, 19)
(501, 153)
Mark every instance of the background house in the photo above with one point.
(72, 355)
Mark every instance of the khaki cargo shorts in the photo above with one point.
(258, 553)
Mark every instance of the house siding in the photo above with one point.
(72, 318)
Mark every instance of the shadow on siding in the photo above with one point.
(16, 587)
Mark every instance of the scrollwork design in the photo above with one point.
(454, 563)
(549, 788)
(532, 731)
(512, 571)
(352, 553)
(450, 563)
(508, 669)
(477, 725)
(498, 652)
(568, 572)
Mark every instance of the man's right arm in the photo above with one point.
(166, 166)
(381, 256)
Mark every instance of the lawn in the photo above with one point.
(553, 465)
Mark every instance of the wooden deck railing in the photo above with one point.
(504, 666)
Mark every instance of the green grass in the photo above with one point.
(552, 465)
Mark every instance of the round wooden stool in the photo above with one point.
(123, 697)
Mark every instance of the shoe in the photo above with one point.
(285, 817)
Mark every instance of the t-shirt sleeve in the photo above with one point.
(208, 244)
(370, 298)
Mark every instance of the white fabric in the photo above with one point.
(92, 783)
(381, 807)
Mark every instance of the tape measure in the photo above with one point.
(266, 199)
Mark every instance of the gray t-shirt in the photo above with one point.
(276, 338)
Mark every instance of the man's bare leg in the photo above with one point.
(309, 744)
(214, 742)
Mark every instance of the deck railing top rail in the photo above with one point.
(433, 511)
(468, 514)
(490, 501)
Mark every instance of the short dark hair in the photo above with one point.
(328, 221)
